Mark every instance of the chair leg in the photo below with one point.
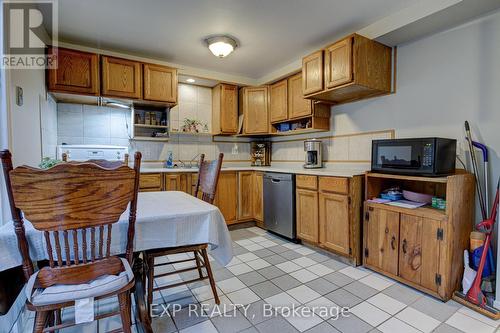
(151, 276)
(40, 321)
(210, 276)
(125, 310)
(198, 264)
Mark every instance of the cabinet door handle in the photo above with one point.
(405, 246)
(393, 242)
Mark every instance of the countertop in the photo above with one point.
(301, 171)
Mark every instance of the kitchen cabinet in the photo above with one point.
(160, 83)
(255, 108)
(149, 182)
(121, 78)
(178, 182)
(351, 69)
(312, 73)
(278, 101)
(298, 106)
(328, 211)
(77, 72)
(421, 247)
(226, 197)
(258, 198)
(245, 195)
(225, 109)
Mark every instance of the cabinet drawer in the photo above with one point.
(334, 184)
(150, 182)
(307, 182)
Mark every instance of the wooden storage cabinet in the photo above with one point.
(121, 78)
(226, 197)
(351, 69)
(278, 101)
(245, 195)
(298, 106)
(421, 247)
(258, 198)
(225, 109)
(149, 182)
(76, 72)
(178, 182)
(254, 104)
(328, 214)
(160, 83)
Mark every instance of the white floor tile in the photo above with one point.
(258, 264)
(204, 292)
(205, 327)
(303, 321)
(258, 239)
(386, 303)
(354, 273)
(239, 269)
(303, 294)
(243, 296)
(234, 261)
(244, 242)
(213, 310)
(304, 262)
(418, 319)
(253, 247)
(395, 325)
(324, 307)
(376, 281)
(257, 230)
(370, 313)
(476, 315)
(247, 257)
(230, 285)
(468, 324)
(288, 267)
(304, 251)
(291, 246)
(320, 269)
(304, 275)
(267, 243)
(179, 256)
(282, 299)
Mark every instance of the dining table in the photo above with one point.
(163, 219)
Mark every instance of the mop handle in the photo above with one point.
(475, 170)
(484, 149)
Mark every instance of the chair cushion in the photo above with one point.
(63, 293)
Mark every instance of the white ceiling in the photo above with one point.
(271, 33)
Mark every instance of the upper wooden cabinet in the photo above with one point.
(76, 72)
(254, 102)
(160, 83)
(225, 109)
(351, 69)
(121, 78)
(312, 73)
(278, 101)
(298, 106)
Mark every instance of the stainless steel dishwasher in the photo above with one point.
(279, 204)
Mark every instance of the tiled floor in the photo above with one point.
(268, 270)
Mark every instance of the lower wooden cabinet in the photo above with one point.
(328, 213)
(226, 197)
(245, 195)
(178, 182)
(258, 198)
(149, 182)
(307, 215)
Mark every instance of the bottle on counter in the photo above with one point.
(170, 160)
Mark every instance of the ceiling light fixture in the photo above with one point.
(221, 46)
(190, 80)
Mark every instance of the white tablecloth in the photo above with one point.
(164, 219)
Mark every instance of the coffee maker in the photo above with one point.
(314, 157)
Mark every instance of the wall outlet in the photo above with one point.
(19, 96)
(235, 150)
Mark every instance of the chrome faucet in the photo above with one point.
(196, 165)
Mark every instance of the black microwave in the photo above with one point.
(419, 156)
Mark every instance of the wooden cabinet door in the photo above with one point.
(334, 222)
(121, 77)
(160, 83)
(255, 109)
(150, 182)
(419, 250)
(258, 196)
(245, 191)
(278, 101)
(226, 197)
(338, 63)
(307, 215)
(298, 106)
(229, 109)
(381, 239)
(312, 73)
(77, 72)
(172, 182)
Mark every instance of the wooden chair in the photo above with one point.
(206, 186)
(74, 205)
